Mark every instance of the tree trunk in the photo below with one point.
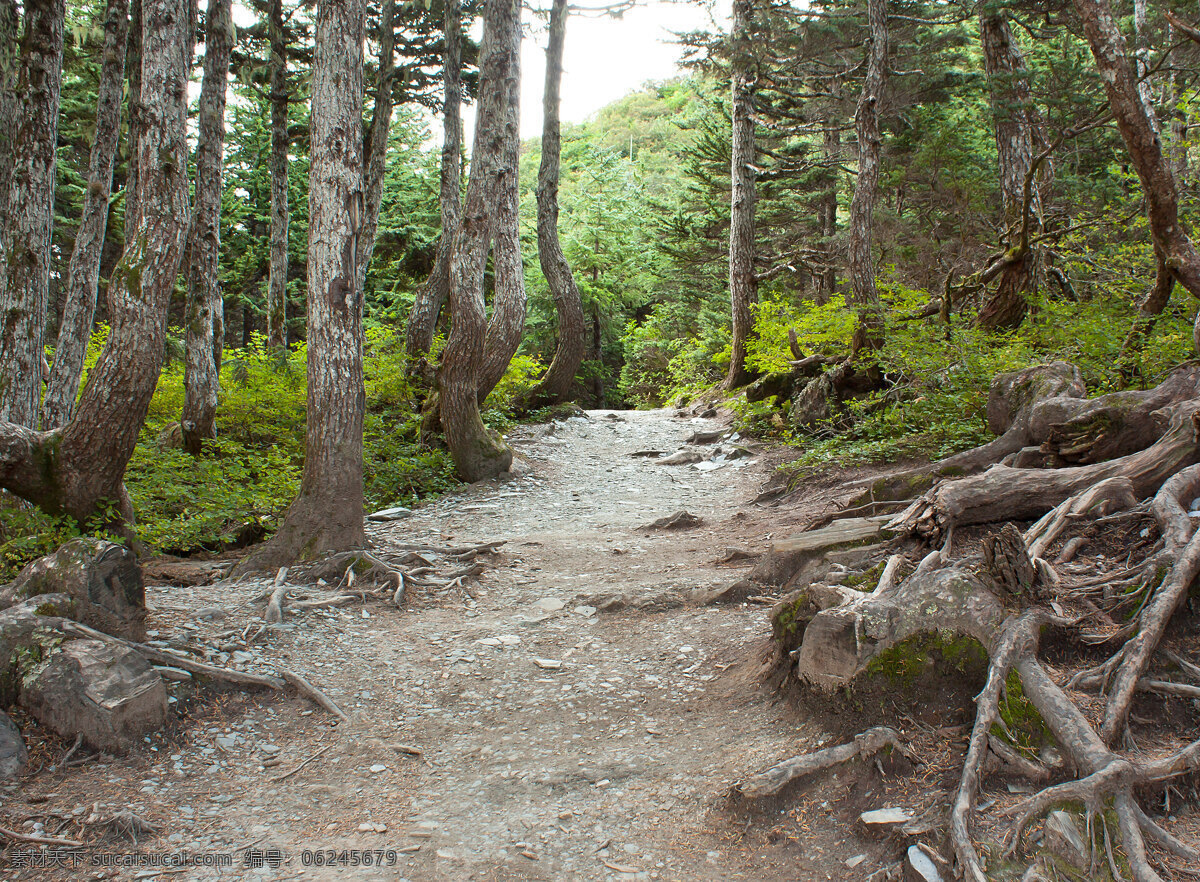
(743, 284)
(201, 379)
(377, 143)
(83, 275)
(327, 515)
(555, 386)
(478, 452)
(133, 68)
(832, 148)
(25, 277)
(78, 469)
(1015, 125)
(277, 280)
(1175, 250)
(863, 294)
(507, 324)
(422, 320)
(10, 39)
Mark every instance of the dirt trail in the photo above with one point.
(557, 742)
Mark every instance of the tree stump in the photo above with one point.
(1007, 559)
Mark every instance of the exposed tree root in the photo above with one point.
(777, 777)
(988, 600)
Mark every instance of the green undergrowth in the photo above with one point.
(237, 491)
(938, 377)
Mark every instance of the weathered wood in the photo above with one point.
(1012, 401)
(1007, 559)
(777, 777)
(212, 672)
(796, 558)
(1003, 493)
(313, 694)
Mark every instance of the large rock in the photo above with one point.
(102, 578)
(14, 758)
(107, 693)
(29, 631)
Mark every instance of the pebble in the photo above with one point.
(886, 816)
(550, 604)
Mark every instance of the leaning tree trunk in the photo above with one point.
(25, 289)
(863, 293)
(377, 143)
(1175, 253)
(1015, 125)
(555, 386)
(201, 378)
(743, 284)
(327, 515)
(507, 324)
(478, 453)
(277, 280)
(78, 469)
(83, 274)
(431, 297)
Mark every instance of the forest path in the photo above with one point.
(558, 742)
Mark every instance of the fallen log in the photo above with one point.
(1007, 494)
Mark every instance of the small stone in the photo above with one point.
(550, 604)
(548, 664)
(390, 514)
(919, 867)
(585, 611)
(855, 861)
(210, 612)
(378, 767)
(886, 816)
(509, 639)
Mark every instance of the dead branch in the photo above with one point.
(774, 779)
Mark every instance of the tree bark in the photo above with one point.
(10, 35)
(431, 297)
(201, 378)
(863, 293)
(78, 469)
(555, 386)
(743, 284)
(277, 280)
(507, 324)
(83, 274)
(478, 452)
(1175, 251)
(25, 277)
(1015, 127)
(832, 149)
(133, 67)
(327, 515)
(377, 142)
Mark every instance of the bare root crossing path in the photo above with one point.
(513, 727)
